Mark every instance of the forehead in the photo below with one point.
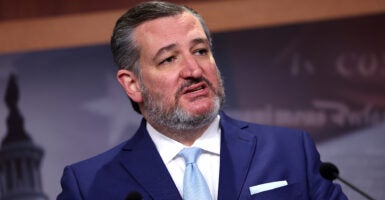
(165, 30)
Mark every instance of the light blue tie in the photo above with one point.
(194, 184)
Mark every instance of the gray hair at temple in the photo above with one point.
(125, 51)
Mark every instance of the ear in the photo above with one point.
(130, 84)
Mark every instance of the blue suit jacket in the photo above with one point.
(250, 155)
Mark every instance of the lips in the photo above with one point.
(194, 88)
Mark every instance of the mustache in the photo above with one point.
(192, 81)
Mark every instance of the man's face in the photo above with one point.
(180, 82)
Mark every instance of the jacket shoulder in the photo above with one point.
(261, 130)
(93, 164)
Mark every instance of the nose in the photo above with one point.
(190, 68)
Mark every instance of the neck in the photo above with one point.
(185, 137)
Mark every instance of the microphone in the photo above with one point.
(330, 172)
(134, 196)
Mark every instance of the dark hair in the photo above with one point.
(125, 51)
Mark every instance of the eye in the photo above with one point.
(200, 52)
(167, 60)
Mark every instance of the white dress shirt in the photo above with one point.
(208, 161)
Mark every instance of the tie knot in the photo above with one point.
(190, 154)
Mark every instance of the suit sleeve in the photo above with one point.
(70, 186)
(319, 188)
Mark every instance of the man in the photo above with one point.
(168, 71)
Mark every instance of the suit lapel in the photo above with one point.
(141, 159)
(143, 162)
(237, 150)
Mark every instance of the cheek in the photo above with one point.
(214, 76)
(210, 66)
(162, 86)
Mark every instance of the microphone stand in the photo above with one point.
(330, 172)
(355, 188)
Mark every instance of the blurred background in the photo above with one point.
(312, 65)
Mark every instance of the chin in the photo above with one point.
(199, 110)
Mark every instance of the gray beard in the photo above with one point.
(174, 117)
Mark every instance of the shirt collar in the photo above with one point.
(168, 148)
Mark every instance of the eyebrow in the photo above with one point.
(164, 49)
(200, 41)
(172, 46)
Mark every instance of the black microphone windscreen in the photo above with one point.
(134, 196)
(329, 171)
